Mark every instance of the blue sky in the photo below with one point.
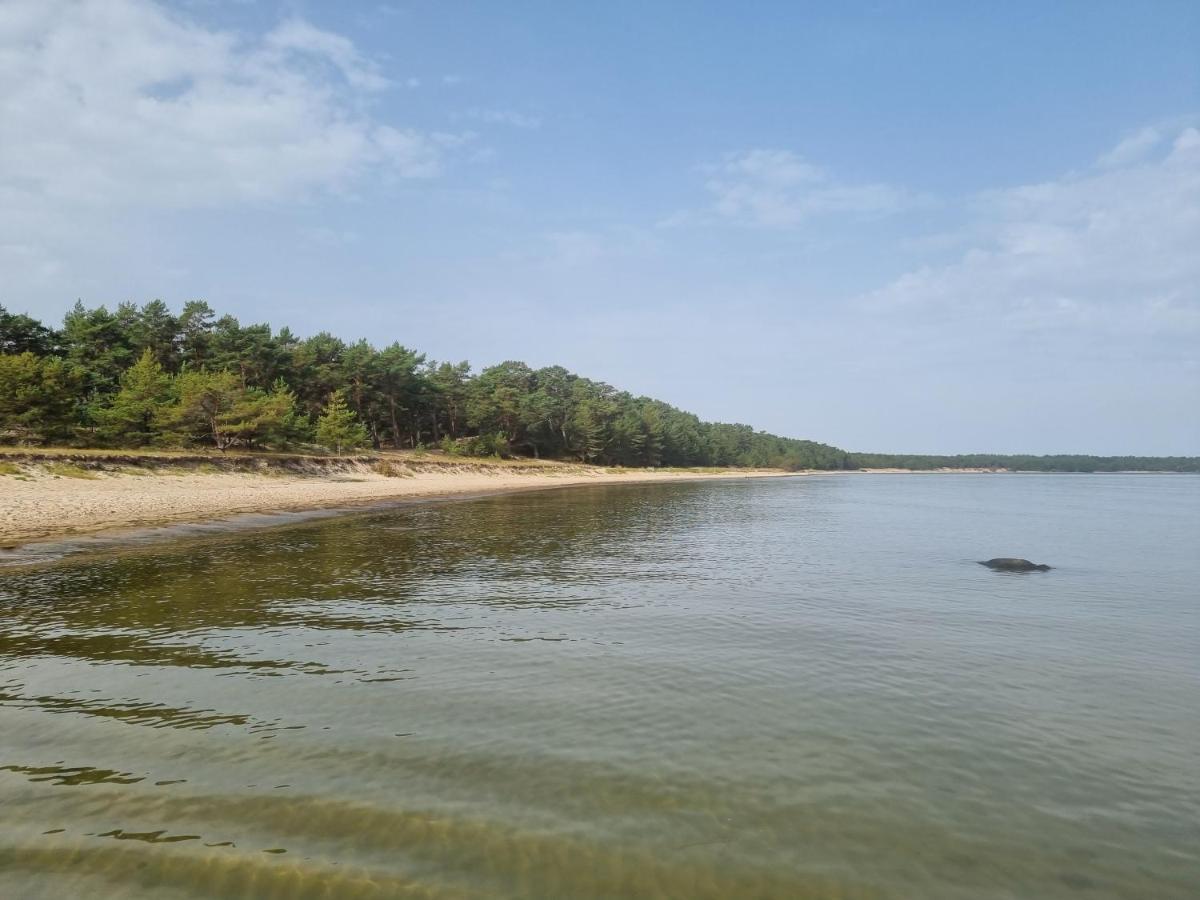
(914, 227)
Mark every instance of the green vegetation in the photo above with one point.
(145, 377)
(1025, 463)
(337, 427)
(69, 470)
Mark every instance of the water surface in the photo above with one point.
(791, 688)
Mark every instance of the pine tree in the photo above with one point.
(144, 395)
(37, 397)
(206, 404)
(337, 428)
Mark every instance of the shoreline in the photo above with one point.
(62, 498)
(42, 507)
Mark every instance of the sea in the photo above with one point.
(796, 688)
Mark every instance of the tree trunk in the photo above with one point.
(395, 423)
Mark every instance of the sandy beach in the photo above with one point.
(41, 505)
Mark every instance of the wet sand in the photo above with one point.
(42, 506)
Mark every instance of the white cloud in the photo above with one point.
(122, 103)
(1115, 249)
(298, 36)
(1132, 149)
(778, 189)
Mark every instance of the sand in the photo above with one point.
(45, 506)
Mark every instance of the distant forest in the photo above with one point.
(144, 376)
(1024, 463)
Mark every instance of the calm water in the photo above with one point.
(792, 688)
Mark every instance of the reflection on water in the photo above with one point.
(787, 688)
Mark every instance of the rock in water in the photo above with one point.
(1011, 564)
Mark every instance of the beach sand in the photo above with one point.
(40, 505)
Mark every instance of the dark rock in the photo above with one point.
(1011, 564)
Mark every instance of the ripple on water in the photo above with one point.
(786, 688)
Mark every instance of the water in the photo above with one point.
(792, 688)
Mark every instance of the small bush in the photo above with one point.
(390, 469)
(483, 445)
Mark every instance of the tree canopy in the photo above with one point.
(136, 376)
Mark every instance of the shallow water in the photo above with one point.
(785, 688)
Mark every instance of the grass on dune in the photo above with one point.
(69, 470)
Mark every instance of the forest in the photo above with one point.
(145, 376)
(1027, 463)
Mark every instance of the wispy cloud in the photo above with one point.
(1113, 248)
(1132, 148)
(779, 189)
(116, 115)
(122, 102)
(300, 37)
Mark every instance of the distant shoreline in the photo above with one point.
(60, 495)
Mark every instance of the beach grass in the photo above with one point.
(69, 470)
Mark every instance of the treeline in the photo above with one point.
(1024, 463)
(144, 376)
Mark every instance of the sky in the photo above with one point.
(909, 227)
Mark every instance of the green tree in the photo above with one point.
(337, 428)
(92, 380)
(37, 397)
(316, 365)
(592, 428)
(206, 401)
(264, 417)
(652, 428)
(547, 411)
(397, 386)
(449, 383)
(282, 422)
(156, 330)
(359, 368)
(498, 398)
(144, 395)
(99, 347)
(248, 350)
(213, 406)
(195, 333)
(23, 334)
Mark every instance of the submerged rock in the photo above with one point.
(1012, 564)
